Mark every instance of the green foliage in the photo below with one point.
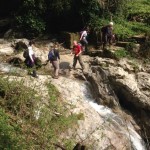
(124, 29)
(30, 17)
(16, 99)
(139, 10)
(96, 23)
(34, 17)
(120, 53)
(58, 7)
(8, 133)
(116, 7)
(27, 123)
(69, 144)
(130, 46)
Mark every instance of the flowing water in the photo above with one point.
(7, 68)
(74, 91)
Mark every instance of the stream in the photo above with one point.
(75, 91)
(78, 93)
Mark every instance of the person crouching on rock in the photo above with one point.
(77, 55)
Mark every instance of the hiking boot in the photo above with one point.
(35, 76)
(55, 77)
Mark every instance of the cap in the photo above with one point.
(111, 23)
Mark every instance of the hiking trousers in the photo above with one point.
(78, 58)
(55, 65)
(84, 42)
(107, 39)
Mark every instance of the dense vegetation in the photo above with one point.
(34, 17)
(25, 123)
(19, 128)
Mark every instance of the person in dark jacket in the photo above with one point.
(107, 34)
(54, 59)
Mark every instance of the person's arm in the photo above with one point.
(30, 53)
(82, 35)
(58, 55)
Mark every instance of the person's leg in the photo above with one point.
(34, 71)
(74, 61)
(85, 45)
(104, 41)
(110, 40)
(56, 66)
(80, 61)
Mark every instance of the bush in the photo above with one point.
(9, 137)
(120, 53)
(28, 123)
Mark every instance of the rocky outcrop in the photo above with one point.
(134, 87)
(130, 83)
(112, 83)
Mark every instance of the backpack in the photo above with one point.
(26, 53)
(51, 55)
(81, 47)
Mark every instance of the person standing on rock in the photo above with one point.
(54, 58)
(77, 55)
(83, 39)
(107, 34)
(30, 59)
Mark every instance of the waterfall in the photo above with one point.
(74, 90)
(105, 112)
(7, 68)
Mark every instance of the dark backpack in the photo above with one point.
(51, 55)
(26, 53)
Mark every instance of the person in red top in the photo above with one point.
(77, 55)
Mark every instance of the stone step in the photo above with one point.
(139, 38)
(109, 52)
(95, 53)
(122, 44)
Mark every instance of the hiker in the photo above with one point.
(30, 59)
(77, 55)
(54, 58)
(83, 39)
(107, 34)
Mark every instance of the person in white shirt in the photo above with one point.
(30, 60)
(83, 39)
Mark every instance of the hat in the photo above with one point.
(111, 23)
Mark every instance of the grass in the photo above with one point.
(120, 53)
(20, 129)
(139, 7)
(125, 29)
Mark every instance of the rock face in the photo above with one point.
(99, 126)
(134, 87)
(130, 83)
(112, 83)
